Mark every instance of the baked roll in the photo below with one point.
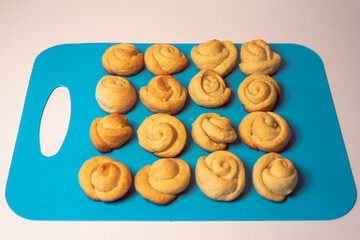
(264, 131)
(104, 179)
(115, 94)
(163, 135)
(258, 92)
(219, 56)
(123, 59)
(164, 94)
(109, 132)
(164, 59)
(220, 176)
(208, 89)
(162, 181)
(257, 57)
(274, 177)
(211, 132)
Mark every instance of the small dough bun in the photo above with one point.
(115, 94)
(104, 179)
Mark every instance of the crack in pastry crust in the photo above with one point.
(164, 59)
(264, 131)
(104, 179)
(219, 56)
(258, 92)
(123, 60)
(257, 57)
(220, 176)
(274, 177)
(212, 132)
(208, 89)
(164, 94)
(162, 134)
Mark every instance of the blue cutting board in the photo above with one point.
(46, 188)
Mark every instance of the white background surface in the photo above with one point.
(330, 28)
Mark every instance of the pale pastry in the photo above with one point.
(164, 59)
(208, 89)
(104, 179)
(257, 57)
(264, 131)
(162, 134)
(219, 56)
(109, 132)
(274, 177)
(123, 59)
(212, 132)
(115, 94)
(258, 92)
(164, 94)
(220, 176)
(162, 181)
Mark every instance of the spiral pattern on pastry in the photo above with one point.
(104, 179)
(219, 56)
(257, 57)
(164, 94)
(164, 59)
(258, 92)
(212, 132)
(208, 89)
(115, 94)
(265, 131)
(162, 134)
(274, 177)
(163, 180)
(220, 176)
(123, 59)
(109, 132)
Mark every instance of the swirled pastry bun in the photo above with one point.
(162, 181)
(164, 94)
(257, 57)
(212, 132)
(208, 89)
(123, 59)
(162, 134)
(264, 131)
(258, 92)
(219, 56)
(220, 176)
(109, 132)
(164, 59)
(115, 94)
(104, 179)
(274, 177)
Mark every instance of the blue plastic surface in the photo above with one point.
(46, 188)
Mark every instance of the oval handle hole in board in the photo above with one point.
(54, 121)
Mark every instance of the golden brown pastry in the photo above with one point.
(258, 92)
(219, 56)
(208, 89)
(163, 180)
(257, 57)
(220, 176)
(164, 59)
(164, 94)
(162, 134)
(115, 94)
(265, 131)
(104, 179)
(212, 132)
(109, 132)
(123, 59)
(274, 177)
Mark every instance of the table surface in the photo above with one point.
(330, 28)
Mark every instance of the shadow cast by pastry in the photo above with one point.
(282, 66)
(281, 99)
(230, 101)
(301, 184)
(237, 142)
(186, 104)
(133, 135)
(127, 196)
(248, 184)
(293, 139)
(191, 185)
(188, 141)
